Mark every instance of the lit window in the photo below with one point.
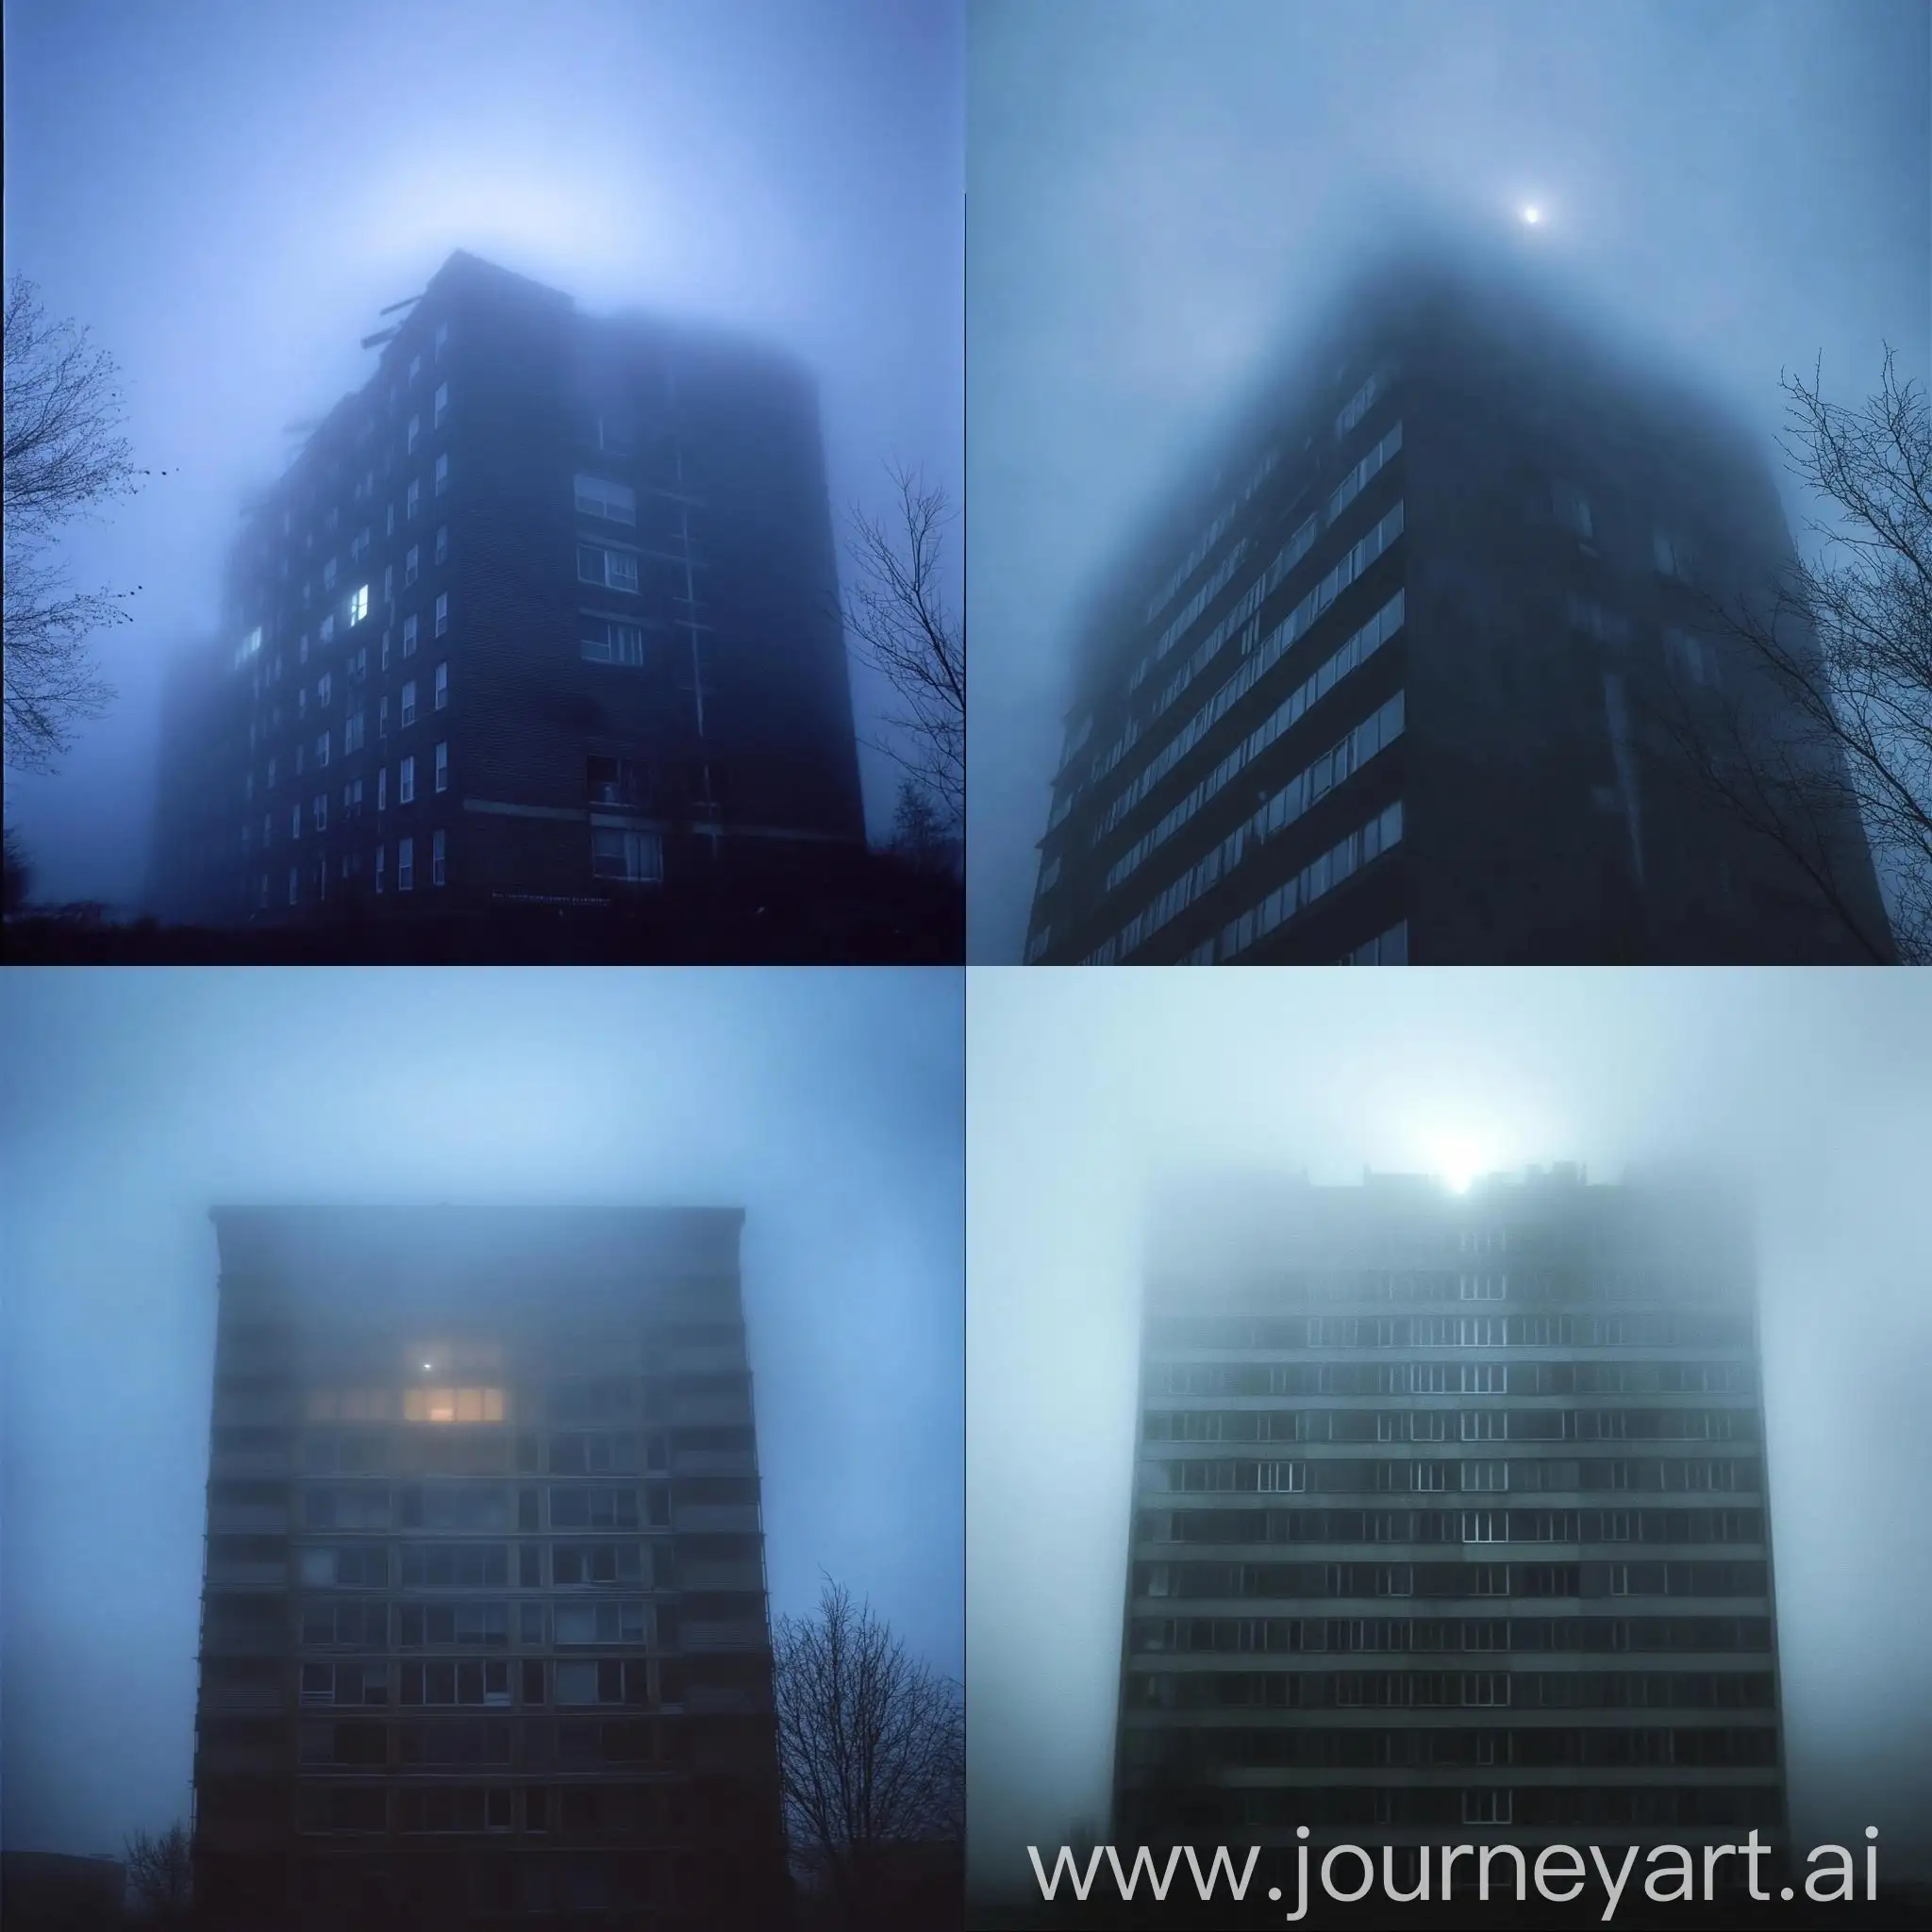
(442, 614)
(442, 686)
(443, 766)
(406, 782)
(616, 854)
(447, 1405)
(442, 475)
(441, 404)
(405, 869)
(437, 857)
(409, 703)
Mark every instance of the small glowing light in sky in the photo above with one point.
(1532, 215)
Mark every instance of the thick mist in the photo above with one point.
(1089, 1097)
(827, 1105)
(226, 193)
(1162, 195)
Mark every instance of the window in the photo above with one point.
(609, 781)
(481, 1626)
(441, 404)
(605, 640)
(442, 614)
(413, 498)
(358, 605)
(442, 765)
(439, 871)
(609, 1680)
(409, 637)
(615, 569)
(621, 854)
(1571, 511)
(442, 701)
(442, 476)
(408, 714)
(443, 543)
(595, 1507)
(411, 559)
(406, 865)
(321, 812)
(616, 503)
(485, 1681)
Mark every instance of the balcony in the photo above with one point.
(742, 1573)
(732, 1518)
(224, 1574)
(260, 1519)
(711, 1411)
(713, 1462)
(736, 1634)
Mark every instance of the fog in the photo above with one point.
(1090, 1095)
(827, 1105)
(1162, 195)
(226, 193)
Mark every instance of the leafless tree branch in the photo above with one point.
(64, 455)
(897, 612)
(1831, 727)
(872, 1748)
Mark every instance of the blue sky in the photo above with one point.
(827, 1103)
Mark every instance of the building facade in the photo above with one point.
(484, 1629)
(546, 612)
(1411, 670)
(1450, 1525)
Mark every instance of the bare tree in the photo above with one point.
(897, 611)
(161, 1870)
(1831, 728)
(871, 1752)
(64, 455)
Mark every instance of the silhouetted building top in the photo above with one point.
(484, 1623)
(1394, 675)
(1450, 1523)
(546, 612)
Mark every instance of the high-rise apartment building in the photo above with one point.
(484, 1625)
(547, 610)
(1406, 673)
(1450, 1524)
